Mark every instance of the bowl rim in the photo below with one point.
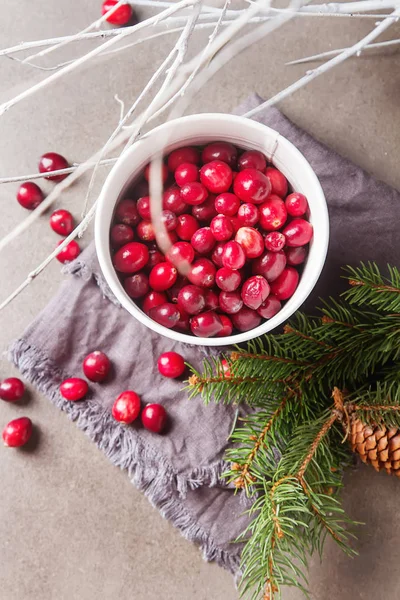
(114, 186)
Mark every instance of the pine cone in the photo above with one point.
(377, 445)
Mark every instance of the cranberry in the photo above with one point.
(11, 389)
(121, 234)
(273, 213)
(279, 184)
(270, 265)
(296, 204)
(186, 227)
(126, 407)
(274, 241)
(227, 279)
(174, 290)
(207, 324)
(154, 417)
(227, 204)
(96, 366)
(74, 389)
(236, 224)
(270, 307)
(205, 211)
(141, 189)
(192, 299)
(298, 233)
(121, 16)
(162, 276)
(172, 200)
(216, 256)
(203, 240)
(167, 238)
(180, 252)
(152, 300)
(252, 159)
(143, 208)
(148, 172)
(202, 273)
(216, 176)
(169, 219)
(246, 319)
(145, 231)
(222, 228)
(225, 331)
(296, 256)
(69, 252)
(51, 161)
(251, 185)
(166, 314)
(17, 432)
(127, 213)
(226, 368)
(248, 214)
(137, 285)
(230, 302)
(29, 195)
(233, 256)
(251, 241)
(183, 155)
(155, 257)
(254, 291)
(186, 173)
(285, 285)
(184, 321)
(131, 258)
(220, 151)
(171, 364)
(194, 193)
(212, 300)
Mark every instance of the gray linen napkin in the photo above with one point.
(180, 471)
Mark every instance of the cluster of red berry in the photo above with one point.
(238, 238)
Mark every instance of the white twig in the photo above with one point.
(314, 57)
(105, 162)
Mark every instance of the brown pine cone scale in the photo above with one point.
(377, 445)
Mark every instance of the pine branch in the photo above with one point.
(369, 286)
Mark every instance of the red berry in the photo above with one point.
(168, 238)
(246, 319)
(121, 234)
(296, 204)
(162, 276)
(216, 176)
(149, 169)
(152, 300)
(254, 291)
(230, 302)
(202, 273)
(227, 204)
(184, 321)
(279, 184)
(29, 195)
(17, 432)
(212, 300)
(127, 213)
(145, 231)
(137, 285)
(233, 255)
(252, 159)
(226, 368)
(273, 213)
(11, 389)
(126, 408)
(143, 207)
(186, 173)
(192, 299)
(285, 285)
(222, 228)
(155, 257)
(171, 364)
(274, 241)
(298, 233)
(121, 16)
(251, 185)
(186, 227)
(70, 252)
(220, 151)
(203, 240)
(270, 307)
(96, 366)
(141, 189)
(236, 224)
(216, 256)
(74, 389)
(207, 324)
(225, 331)
(51, 161)
(174, 290)
(270, 265)
(194, 193)
(251, 241)
(296, 256)
(166, 314)
(183, 155)
(205, 211)
(169, 220)
(248, 214)
(180, 252)
(172, 200)
(154, 417)
(227, 279)
(131, 258)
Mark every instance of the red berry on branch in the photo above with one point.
(69, 252)
(279, 184)
(11, 389)
(131, 258)
(51, 161)
(251, 241)
(127, 213)
(96, 366)
(251, 185)
(220, 151)
(62, 222)
(121, 16)
(126, 407)
(252, 159)
(74, 389)
(183, 155)
(171, 364)
(29, 195)
(120, 235)
(296, 204)
(216, 176)
(206, 324)
(154, 417)
(166, 314)
(284, 286)
(17, 432)
(298, 233)
(137, 285)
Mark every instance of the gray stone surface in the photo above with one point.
(71, 525)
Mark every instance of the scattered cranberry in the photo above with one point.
(154, 417)
(172, 200)
(166, 314)
(212, 300)
(296, 204)
(180, 252)
(162, 276)
(29, 195)
(143, 208)
(11, 389)
(145, 231)
(270, 307)
(284, 286)
(273, 213)
(203, 240)
(296, 256)
(74, 389)
(298, 233)
(252, 159)
(152, 300)
(202, 273)
(131, 258)
(127, 213)
(227, 327)
(192, 299)
(205, 211)
(222, 228)
(194, 193)
(96, 366)
(251, 241)
(148, 172)
(254, 291)
(274, 241)
(246, 319)
(227, 280)
(155, 257)
(207, 324)
(216, 256)
(183, 155)
(186, 227)
(270, 265)
(126, 407)
(230, 302)
(216, 176)
(51, 161)
(69, 252)
(248, 215)
(120, 235)
(251, 185)
(171, 364)
(137, 285)
(233, 255)
(121, 16)
(17, 432)
(186, 173)
(220, 151)
(226, 368)
(227, 204)
(279, 184)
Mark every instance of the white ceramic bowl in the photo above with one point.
(198, 130)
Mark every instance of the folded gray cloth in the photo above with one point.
(180, 471)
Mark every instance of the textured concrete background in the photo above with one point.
(71, 525)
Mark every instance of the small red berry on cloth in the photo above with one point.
(11, 389)
(126, 408)
(51, 161)
(121, 16)
(96, 366)
(70, 252)
(62, 222)
(74, 389)
(29, 195)
(17, 432)
(154, 417)
(171, 364)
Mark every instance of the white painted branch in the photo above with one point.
(314, 57)
(105, 162)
